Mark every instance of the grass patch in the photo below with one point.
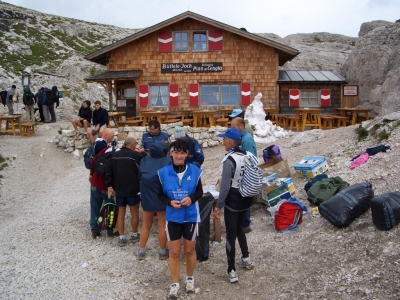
(362, 133)
(317, 40)
(383, 135)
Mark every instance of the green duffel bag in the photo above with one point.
(324, 189)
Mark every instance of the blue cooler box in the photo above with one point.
(311, 166)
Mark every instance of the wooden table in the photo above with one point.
(273, 112)
(310, 117)
(116, 116)
(353, 113)
(154, 114)
(225, 112)
(11, 121)
(203, 118)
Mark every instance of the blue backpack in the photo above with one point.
(89, 154)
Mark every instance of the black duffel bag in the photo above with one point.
(203, 240)
(386, 210)
(347, 205)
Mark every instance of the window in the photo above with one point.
(309, 98)
(128, 93)
(181, 41)
(159, 95)
(200, 41)
(220, 94)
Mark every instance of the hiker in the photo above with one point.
(154, 135)
(53, 98)
(123, 174)
(12, 97)
(98, 189)
(149, 187)
(3, 95)
(248, 145)
(180, 189)
(234, 203)
(238, 113)
(39, 101)
(84, 119)
(196, 154)
(29, 100)
(100, 120)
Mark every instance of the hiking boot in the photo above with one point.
(85, 135)
(248, 264)
(95, 234)
(173, 291)
(141, 255)
(113, 234)
(121, 242)
(163, 254)
(77, 134)
(232, 277)
(190, 285)
(246, 229)
(135, 238)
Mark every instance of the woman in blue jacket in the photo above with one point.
(180, 189)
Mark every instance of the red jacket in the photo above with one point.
(96, 180)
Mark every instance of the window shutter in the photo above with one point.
(215, 40)
(246, 93)
(173, 95)
(325, 98)
(165, 41)
(193, 94)
(143, 95)
(294, 98)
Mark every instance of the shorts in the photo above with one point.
(131, 201)
(175, 231)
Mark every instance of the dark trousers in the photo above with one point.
(52, 113)
(233, 225)
(97, 197)
(247, 221)
(40, 106)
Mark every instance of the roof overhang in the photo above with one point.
(292, 76)
(115, 75)
(285, 53)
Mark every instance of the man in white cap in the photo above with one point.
(196, 154)
(239, 113)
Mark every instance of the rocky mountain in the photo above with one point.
(38, 44)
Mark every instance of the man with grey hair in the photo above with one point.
(122, 180)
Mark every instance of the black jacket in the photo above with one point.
(124, 172)
(85, 113)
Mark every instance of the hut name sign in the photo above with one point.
(191, 67)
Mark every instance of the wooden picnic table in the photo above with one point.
(160, 115)
(353, 113)
(310, 117)
(203, 118)
(115, 116)
(11, 122)
(273, 112)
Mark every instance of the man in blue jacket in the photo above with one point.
(154, 135)
(99, 121)
(196, 154)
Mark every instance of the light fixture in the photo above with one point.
(26, 79)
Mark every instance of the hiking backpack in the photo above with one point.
(251, 183)
(289, 215)
(28, 97)
(270, 152)
(102, 162)
(89, 154)
(324, 189)
(108, 214)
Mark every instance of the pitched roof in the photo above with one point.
(285, 53)
(286, 76)
(116, 75)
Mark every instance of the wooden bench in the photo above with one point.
(187, 122)
(130, 123)
(327, 121)
(293, 121)
(222, 122)
(28, 128)
(340, 121)
(170, 121)
(281, 120)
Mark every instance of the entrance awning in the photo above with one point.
(111, 75)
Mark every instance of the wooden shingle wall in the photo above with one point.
(243, 60)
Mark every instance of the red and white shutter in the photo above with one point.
(165, 41)
(193, 94)
(246, 93)
(325, 98)
(215, 40)
(143, 95)
(294, 98)
(173, 95)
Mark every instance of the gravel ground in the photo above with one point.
(48, 252)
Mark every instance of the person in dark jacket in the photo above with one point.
(149, 187)
(123, 173)
(234, 203)
(196, 154)
(29, 100)
(154, 135)
(84, 118)
(100, 120)
(53, 98)
(39, 101)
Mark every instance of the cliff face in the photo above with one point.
(374, 64)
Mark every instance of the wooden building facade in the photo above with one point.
(190, 61)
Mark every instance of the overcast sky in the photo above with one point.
(282, 17)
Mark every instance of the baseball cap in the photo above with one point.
(179, 132)
(236, 112)
(232, 133)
